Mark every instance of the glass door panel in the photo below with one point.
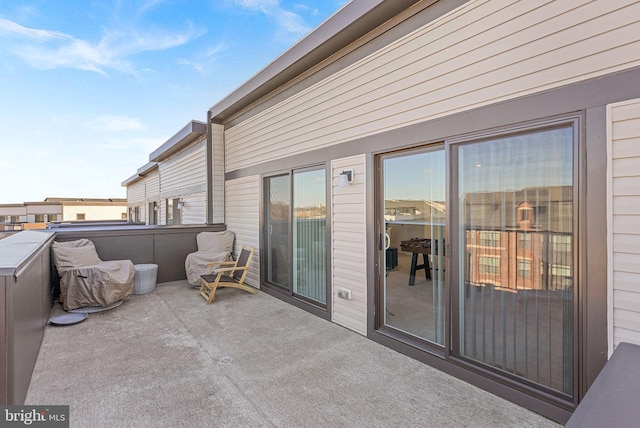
(309, 234)
(414, 213)
(516, 269)
(277, 255)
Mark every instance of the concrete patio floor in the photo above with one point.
(167, 359)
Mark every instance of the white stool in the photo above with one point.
(144, 280)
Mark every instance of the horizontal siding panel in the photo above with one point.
(626, 300)
(627, 167)
(625, 129)
(243, 219)
(626, 335)
(627, 319)
(513, 50)
(136, 191)
(348, 252)
(627, 205)
(626, 262)
(351, 323)
(626, 148)
(346, 273)
(629, 224)
(625, 243)
(626, 111)
(627, 281)
(347, 234)
(184, 170)
(195, 209)
(625, 181)
(626, 186)
(152, 182)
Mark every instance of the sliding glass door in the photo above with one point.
(482, 270)
(516, 261)
(413, 211)
(295, 234)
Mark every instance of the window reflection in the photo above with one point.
(516, 229)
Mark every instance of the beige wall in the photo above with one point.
(217, 178)
(93, 212)
(136, 192)
(624, 222)
(243, 219)
(349, 260)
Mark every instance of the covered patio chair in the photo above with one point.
(212, 247)
(227, 274)
(85, 280)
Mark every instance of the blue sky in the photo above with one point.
(88, 88)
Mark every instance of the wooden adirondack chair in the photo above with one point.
(227, 274)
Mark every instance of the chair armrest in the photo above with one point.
(220, 263)
(231, 269)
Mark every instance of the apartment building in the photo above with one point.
(172, 187)
(36, 215)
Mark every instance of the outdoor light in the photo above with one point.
(346, 177)
(180, 205)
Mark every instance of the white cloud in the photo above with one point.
(115, 123)
(45, 49)
(288, 22)
(192, 64)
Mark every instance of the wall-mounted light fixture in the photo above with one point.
(181, 205)
(346, 177)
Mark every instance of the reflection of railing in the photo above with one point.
(527, 333)
(310, 267)
(309, 257)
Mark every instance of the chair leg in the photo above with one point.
(208, 291)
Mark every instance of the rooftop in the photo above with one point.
(167, 359)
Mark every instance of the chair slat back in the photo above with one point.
(243, 260)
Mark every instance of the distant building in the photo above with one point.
(172, 187)
(36, 215)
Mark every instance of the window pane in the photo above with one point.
(278, 212)
(516, 232)
(414, 229)
(309, 234)
(169, 211)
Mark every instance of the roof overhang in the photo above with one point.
(353, 21)
(131, 180)
(139, 175)
(147, 168)
(182, 139)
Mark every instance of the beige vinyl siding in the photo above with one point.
(624, 222)
(349, 238)
(152, 186)
(143, 211)
(217, 178)
(243, 219)
(136, 192)
(184, 176)
(152, 194)
(195, 208)
(481, 53)
(184, 172)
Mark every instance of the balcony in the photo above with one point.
(168, 359)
